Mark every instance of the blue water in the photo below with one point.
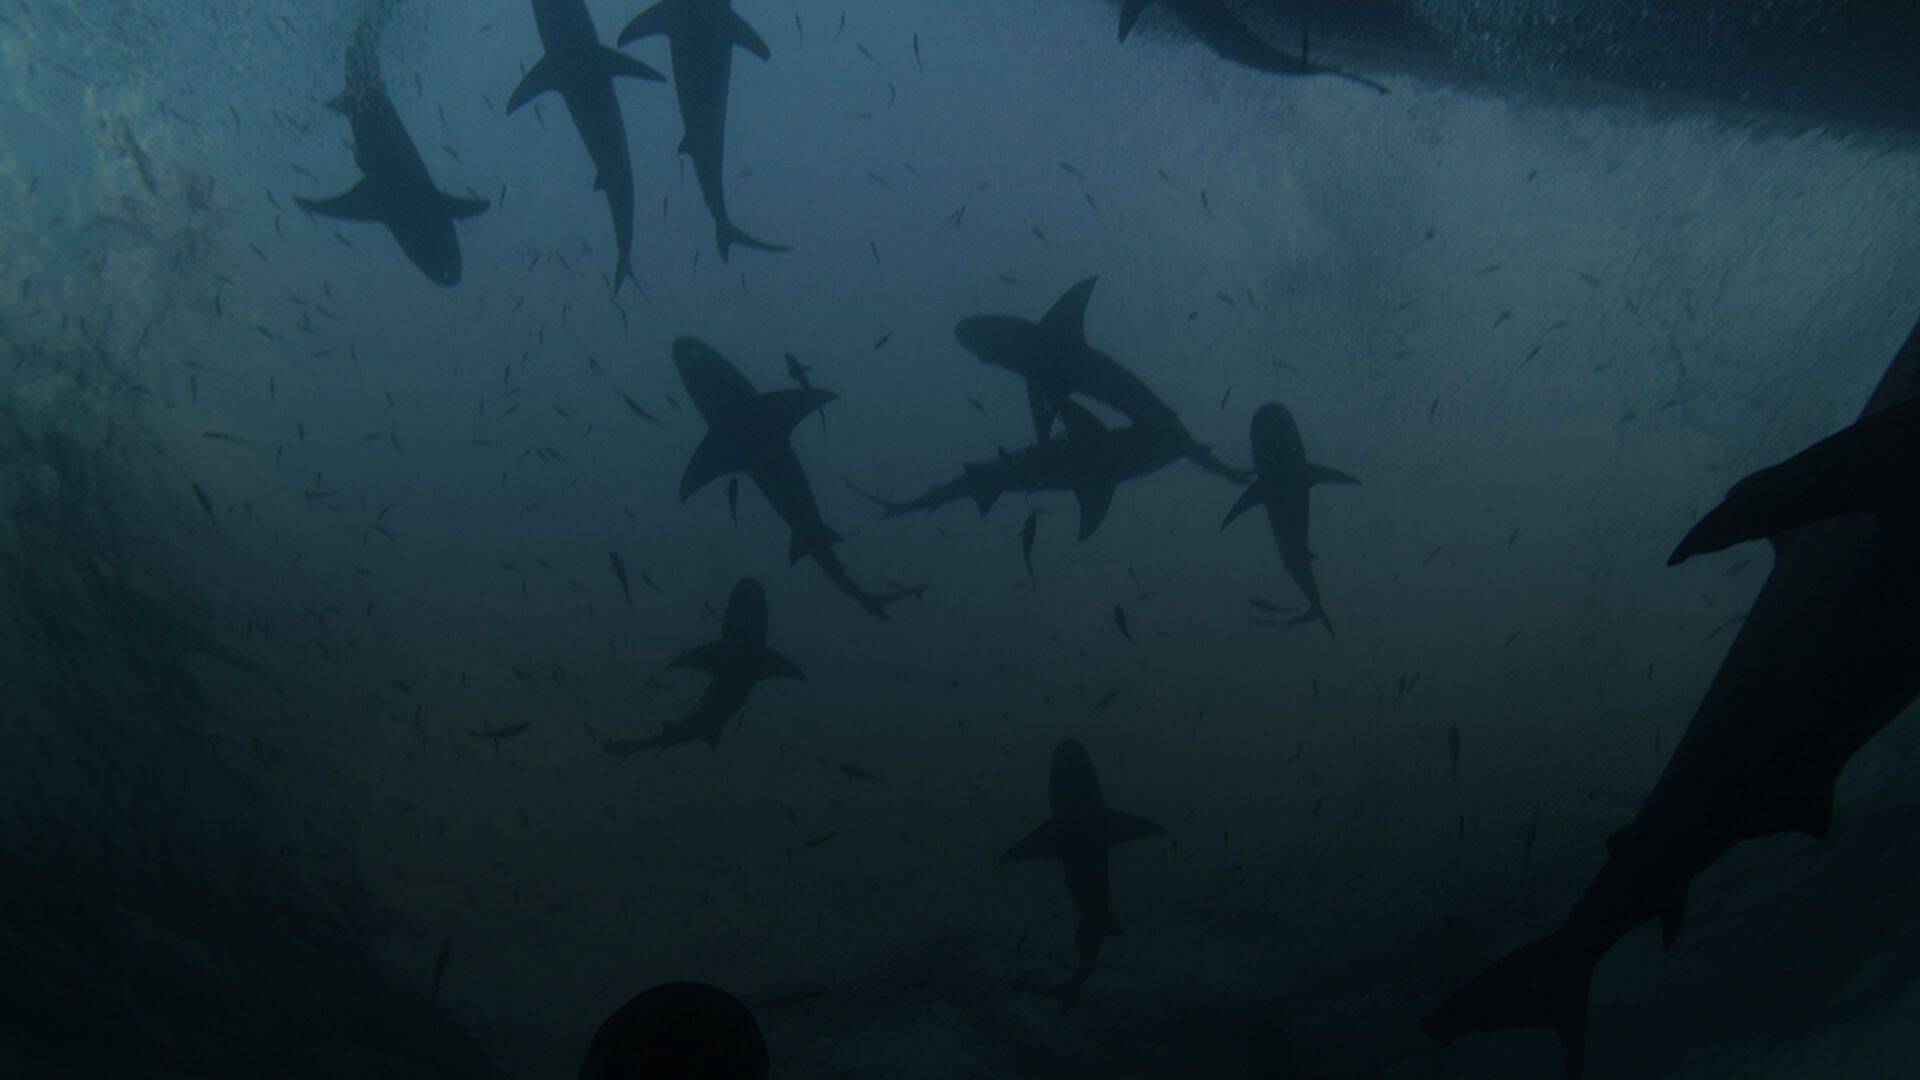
(1545, 322)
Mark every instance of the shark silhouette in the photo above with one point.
(738, 662)
(1230, 39)
(1080, 832)
(1053, 356)
(1089, 460)
(1824, 661)
(395, 188)
(1285, 478)
(702, 35)
(752, 433)
(581, 70)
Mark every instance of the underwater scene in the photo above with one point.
(959, 538)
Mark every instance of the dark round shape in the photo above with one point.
(679, 1030)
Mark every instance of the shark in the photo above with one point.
(752, 433)
(740, 660)
(395, 188)
(1215, 24)
(702, 35)
(1080, 833)
(1283, 482)
(1090, 460)
(581, 70)
(1823, 662)
(1056, 361)
(680, 1029)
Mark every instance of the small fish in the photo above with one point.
(620, 571)
(499, 733)
(205, 503)
(440, 967)
(733, 499)
(882, 343)
(635, 407)
(1453, 752)
(1103, 702)
(1027, 533)
(1120, 623)
(859, 773)
(822, 840)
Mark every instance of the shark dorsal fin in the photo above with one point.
(1068, 316)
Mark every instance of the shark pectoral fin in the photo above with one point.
(1124, 827)
(1068, 316)
(1130, 14)
(1040, 406)
(1320, 474)
(1044, 842)
(357, 203)
(708, 657)
(661, 18)
(460, 209)
(1095, 499)
(1673, 915)
(1249, 499)
(771, 665)
(744, 36)
(619, 65)
(710, 462)
(786, 408)
(1534, 986)
(537, 81)
(1080, 422)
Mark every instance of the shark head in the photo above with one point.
(714, 384)
(1277, 447)
(1000, 340)
(746, 619)
(1072, 786)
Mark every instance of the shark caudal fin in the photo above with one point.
(729, 234)
(1316, 613)
(623, 272)
(1537, 986)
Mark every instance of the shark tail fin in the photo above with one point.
(1129, 14)
(1316, 613)
(623, 272)
(1538, 985)
(730, 234)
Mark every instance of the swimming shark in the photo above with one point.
(1230, 39)
(752, 433)
(702, 35)
(1285, 478)
(395, 188)
(1053, 356)
(1090, 461)
(1080, 832)
(1823, 662)
(581, 70)
(738, 662)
